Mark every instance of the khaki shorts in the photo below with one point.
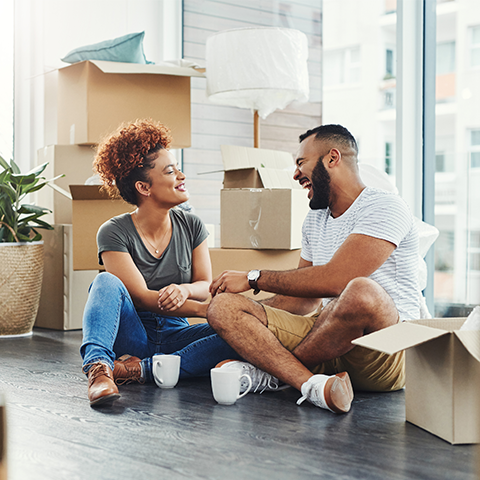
(369, 370)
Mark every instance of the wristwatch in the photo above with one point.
(253, 276)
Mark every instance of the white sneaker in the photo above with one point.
(261, 381)
(332, 392)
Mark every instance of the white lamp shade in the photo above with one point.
(259, 68)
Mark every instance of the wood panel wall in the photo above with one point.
(214, 125)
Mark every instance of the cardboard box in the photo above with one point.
(262, 218)
(442, 390)
(261, 205)
(95, 97)
(64, 291)
(257, 168)
(73, 161)
(91, 208)
(246, 260)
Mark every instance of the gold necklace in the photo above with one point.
(145, 237)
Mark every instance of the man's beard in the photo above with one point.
(320, 186)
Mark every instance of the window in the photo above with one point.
(389, 158)
(343, 66)
(475, 148)
(6, 80)
(389, 64)
(475, 46)
(440, 162)
(475, 250)
(445, 58)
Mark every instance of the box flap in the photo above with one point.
(471, 341)
(274, 178)
(88, 192)
(235, 158)
(398, 337)
(447, 323)
(139, 68)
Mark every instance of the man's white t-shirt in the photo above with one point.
(379, 214)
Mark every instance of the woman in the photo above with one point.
(157, 266)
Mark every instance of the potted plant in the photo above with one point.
(21, 248)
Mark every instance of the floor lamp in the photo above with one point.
(262, 68)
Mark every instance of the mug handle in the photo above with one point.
(157, 364)
(249, 385)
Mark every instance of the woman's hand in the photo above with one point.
(172, 297)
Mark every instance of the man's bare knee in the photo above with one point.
(365, 300)
(226, 308)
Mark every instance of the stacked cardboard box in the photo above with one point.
(262, 207)
(94, 98)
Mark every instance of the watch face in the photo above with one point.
(253, 275)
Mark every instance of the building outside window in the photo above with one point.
(343, 67)
(475, 148)
(475, 46)
(445, 57)
(367, 109)
(389, 64)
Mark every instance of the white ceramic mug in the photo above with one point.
(226, 385)
(166, 370)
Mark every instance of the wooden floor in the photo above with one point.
(183, 434)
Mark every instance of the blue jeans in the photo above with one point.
(113, 327)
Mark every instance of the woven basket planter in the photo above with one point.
(21, 273)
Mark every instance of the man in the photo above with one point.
(358, 262)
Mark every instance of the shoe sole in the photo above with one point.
(107, 399)
(339, 393)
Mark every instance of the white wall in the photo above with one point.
(46, 30)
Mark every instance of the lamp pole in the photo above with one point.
(256, 129)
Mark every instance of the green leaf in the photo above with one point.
(23, 179)
(38, 170)
(33, 188)
(8, 190)
(23, 238)
(32, 209)
(37, 236)
(15, 167)
(4, 176)
(4, 163)
(44, 225)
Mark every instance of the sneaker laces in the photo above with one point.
(260, 379)
(312, 393)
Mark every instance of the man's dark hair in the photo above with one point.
(335, 133)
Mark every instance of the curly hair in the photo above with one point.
(125, 156)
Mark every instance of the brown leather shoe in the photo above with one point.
(127, 370)
(101, 387)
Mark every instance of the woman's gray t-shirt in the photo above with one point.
(174, 266)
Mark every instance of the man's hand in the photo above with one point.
(230, 281)
(172, 297)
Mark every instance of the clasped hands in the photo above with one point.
(173, 296)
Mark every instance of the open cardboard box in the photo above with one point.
(257, 168)
(95, 97)
(261, 206)
(91, 208)
(73, 161)
(442, 391)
